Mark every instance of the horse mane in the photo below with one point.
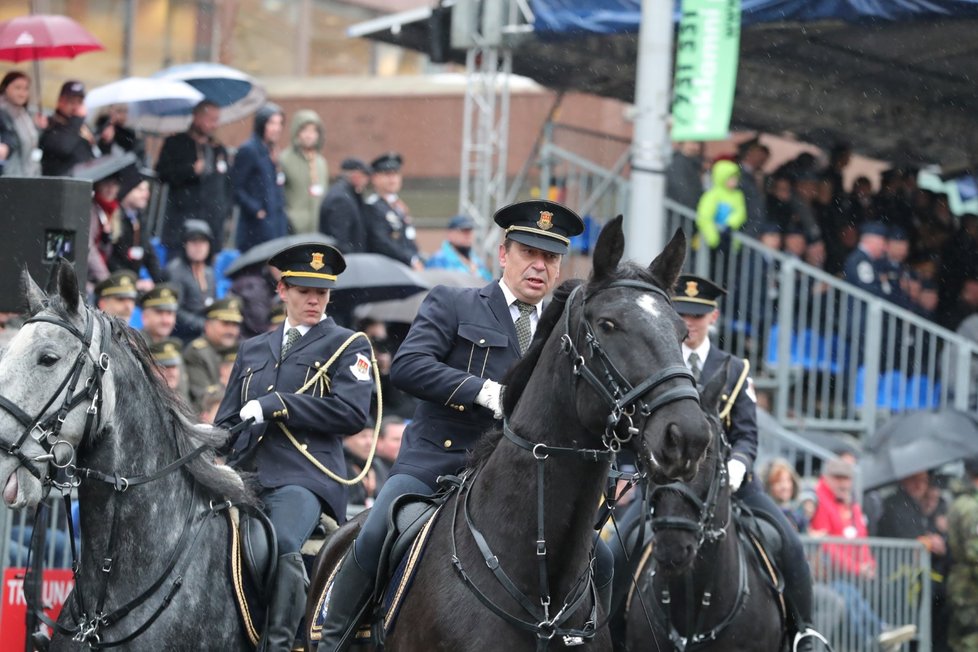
(136, 364)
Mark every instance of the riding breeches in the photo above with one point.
(294, 511)
(794, 565)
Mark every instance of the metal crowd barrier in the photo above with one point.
(852, 610)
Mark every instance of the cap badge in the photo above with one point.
(546, 220)
(692, 288)
(125, 281)
(317, 262)
(166, 294)
(169, 349)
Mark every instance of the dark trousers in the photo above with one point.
(294, 511)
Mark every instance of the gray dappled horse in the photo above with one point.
(82, 405)
(702, 586)
(605, 370)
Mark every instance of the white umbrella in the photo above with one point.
(238, 94)
(150, 101)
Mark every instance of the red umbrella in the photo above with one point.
(44, 36)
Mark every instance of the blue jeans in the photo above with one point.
(863, 620)
(294, 511)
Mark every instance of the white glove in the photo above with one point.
(490, 396)
(252, 410)
(736, 470)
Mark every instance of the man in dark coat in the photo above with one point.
(341, 215)
(390, 229)
(697, 302)
(301, 411)
(67, 141)
(458, 349)
(195, 166)
(258, 184)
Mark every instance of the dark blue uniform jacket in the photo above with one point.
(742, 428)
(319, 419)
(461, 337)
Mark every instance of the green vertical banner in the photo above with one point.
(707, 53)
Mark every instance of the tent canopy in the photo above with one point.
(895, 79)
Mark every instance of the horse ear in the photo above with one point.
(33, 292)
(710, 396)
(68, 285)
(668, 265)
(609, 249)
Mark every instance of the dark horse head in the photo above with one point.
(77, 385)
(685, 515)
(620, 338)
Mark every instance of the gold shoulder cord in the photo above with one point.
(316, 378)
(725, 412)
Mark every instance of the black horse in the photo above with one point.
(702, 585)
(83, 406)
(510, 557)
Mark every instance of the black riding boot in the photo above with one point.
(287, 606)
(798, 597)
(351, 590)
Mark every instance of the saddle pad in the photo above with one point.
(397, 587)
(250, 606)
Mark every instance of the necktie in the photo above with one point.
(291, 337)
(523, 331)
(694, 366)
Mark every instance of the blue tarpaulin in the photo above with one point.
(623, 16)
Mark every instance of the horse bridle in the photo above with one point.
(622, 398)
(46, 430)
(706, 509)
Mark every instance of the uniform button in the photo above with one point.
(448, 443)
(305, 446)
(317, 364)
(482, 341)
(270, 388)
(461, 408)
(248, 370)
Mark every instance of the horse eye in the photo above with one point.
(606, 325)
(49, 359)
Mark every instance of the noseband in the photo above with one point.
(622, 398)
(45, 428)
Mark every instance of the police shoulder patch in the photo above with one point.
(361, 368)
(749, 390)
(865, 272)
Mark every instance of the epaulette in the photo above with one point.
(372, 199)
(200, 343)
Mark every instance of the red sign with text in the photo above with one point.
(58, 583)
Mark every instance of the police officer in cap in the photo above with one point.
(390, 230)
(864, 267)
(203, 356)
(461, 344)
(166, 352)
(697, 301)
(302, 410)
(159, 307)
(116, 295)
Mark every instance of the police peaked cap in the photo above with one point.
(311, 265)
(388, 162)
(695, 295)
(162, 297)
(541, 224)
(875, 228)
(225, 310)
(167, 352)
(121, 284)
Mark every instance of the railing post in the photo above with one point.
(786, 324)
(924, 636)
(873, 328)
(546, 173)
(962, 378)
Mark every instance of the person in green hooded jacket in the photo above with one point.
(721, 209)
(306, 172)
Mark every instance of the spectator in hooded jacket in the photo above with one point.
(258, 182)
(306, 172)
(721, 209)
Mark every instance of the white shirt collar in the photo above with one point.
(302, 328)
(510, 298)
(702, 351)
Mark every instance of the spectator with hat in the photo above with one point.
(460, 396)
(191, 273)
(721, 210)
(302, 410)
(159, 307)
(67, 141)
(863, 267)
(390, 228)
(131, 246)
(258, 182)
(456, 253)
(203, 357)
(342, 215)
(306, 172)
(166, 353)
(194, 165)
(116, 295)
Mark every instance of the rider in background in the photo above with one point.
(274, 382)
(696, 301)
(460, 346)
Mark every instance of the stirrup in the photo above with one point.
(809, 633)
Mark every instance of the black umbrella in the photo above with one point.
(103, 167)
(373, 277)
(915, 442)
(259, 254)
(404, 310)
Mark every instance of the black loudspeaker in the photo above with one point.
(41, 219)
(440, 32)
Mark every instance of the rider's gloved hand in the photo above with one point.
(252, 410)
(490, 396)
(736, 470)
